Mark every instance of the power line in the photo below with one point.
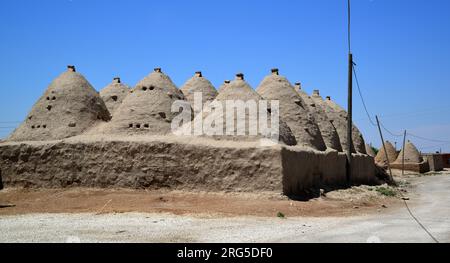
(427, 139)
(349, 27)
(362, 98)
(388, 131)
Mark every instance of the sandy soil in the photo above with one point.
(353, 201)
(429, 199)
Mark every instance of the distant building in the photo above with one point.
(446, 160)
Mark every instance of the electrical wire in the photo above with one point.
(427, 139)
(349, 27)
(362, 97)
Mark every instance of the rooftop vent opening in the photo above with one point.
(49, 107)
(144, 88)
(130, 125)
(39, 126)
(114, 98)
(198, 74)
(298, 85)
(72, 124)
(316, 92)
(44, 126)
(328, 97)
(158, 70)
(53, 98)
(152, 88)
(71, 68)
(48, 98)
(275, 71)
(116, 80)
(227, 82)
(240, 76)
(32, 127)
(146, 126)
(138, 125)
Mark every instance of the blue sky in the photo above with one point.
(402, 51)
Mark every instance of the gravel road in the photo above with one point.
(430, 203)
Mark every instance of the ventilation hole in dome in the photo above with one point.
(144, 88)
(32, 127)
(130, 125)
(138, 126)
(114, 98)
(49, 107)
(48, 98)
(72, 124)
(152, 88)
(269, 110)
(44, 126)
(146, 126)
(31, 117)
(39, 126)
(162, 115)
(53, 98)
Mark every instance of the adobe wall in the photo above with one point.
(435, 162)
(140, 164)
(155, 164)
(413, 167)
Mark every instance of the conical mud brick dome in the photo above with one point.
(201, 85)
(370, 151)
(339, 122)
(328, 131)
(358, 140)
(381, 156)
(240, 90)
(114, 94)
(293, 110)
(147, 108)
(225, 83)
(412, 155)
(69, 106)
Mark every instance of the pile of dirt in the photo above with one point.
(328, 131)
(114, 94)
(147, 109)
(293, 110)
(201, 85)
(391, 153)
(68, 107)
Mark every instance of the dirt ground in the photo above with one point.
(349, 202)
(361, 214)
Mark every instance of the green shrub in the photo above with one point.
(386, 191)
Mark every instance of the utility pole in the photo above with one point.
(349, 119)
(403, 155)
(350, 101)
